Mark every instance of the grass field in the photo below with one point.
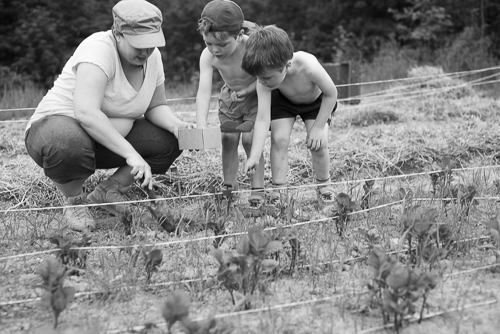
(431, 147)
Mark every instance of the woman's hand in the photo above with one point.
(183, 125)
(140, 170)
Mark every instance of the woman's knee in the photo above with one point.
(62, 148)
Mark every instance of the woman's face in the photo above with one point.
(131, 55)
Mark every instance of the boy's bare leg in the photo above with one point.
(281, 130)
(230, 162)
(321, 158)
(257, 179)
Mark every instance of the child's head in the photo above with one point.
(222, 19)
(268, 52)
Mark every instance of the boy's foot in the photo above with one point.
(257, 198)
(110, 191)
(276, 196)
(228, 192)
(78, 218)
(326, 194)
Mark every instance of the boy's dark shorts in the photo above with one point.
(282, 107)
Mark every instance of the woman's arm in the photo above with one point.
(160, 114)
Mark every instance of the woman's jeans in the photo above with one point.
(66, 152)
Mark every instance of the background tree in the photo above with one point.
(38, 36)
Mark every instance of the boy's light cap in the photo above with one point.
(224, 15)
(140, 23)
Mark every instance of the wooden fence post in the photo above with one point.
(345, 73)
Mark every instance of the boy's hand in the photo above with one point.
(316, 139)
(238, 96)
(250, 166)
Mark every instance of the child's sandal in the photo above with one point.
(257, 198)
(326, 194)
(275, 196)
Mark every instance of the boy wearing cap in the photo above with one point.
(106, 110)
(221, 26)
(289, 84)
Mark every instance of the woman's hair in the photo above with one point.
(204, 28)
(267, 49)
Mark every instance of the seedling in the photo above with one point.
(158, 210)
(152, 256)
(176, 308)
(422, 227)
(55, 294)
(67, 254)
(344, 206)
(407, 197)
(395, 288)
(466, 196)
(242, 269)
(219, 229)
(494, 225)
(284, 235)
(368, 189)
(442, 179)
(153, 259)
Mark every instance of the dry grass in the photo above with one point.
(366, 141)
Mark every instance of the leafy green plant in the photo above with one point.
(55, 295)
(286, 235)
(368, 193)
(421, 226)
(76, 258)
(176, 308)
(406, 195)
(242, 269)
(344, 206)
(494, 225)
(152, 256)
(395, 288)
(442, 179)
(153, 259)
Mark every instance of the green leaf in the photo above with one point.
(155, 257)
(376, 258)
(175, 307)
(217, 254)
(257, 241)
(273, 246)
(243, 246)
(493, 224)
(69, 293)
(399, 276)
(269, 265)
(430, 215)
(51, 271)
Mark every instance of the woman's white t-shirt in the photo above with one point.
(122, 103)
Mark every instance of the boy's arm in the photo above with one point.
(322, 79)
(240, 95)
(261, 127)
(204, 88)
